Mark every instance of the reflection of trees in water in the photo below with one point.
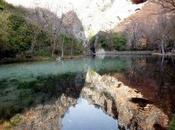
(20, 95)
(154, 77)
(166, 84)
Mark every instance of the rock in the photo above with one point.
(92, 76)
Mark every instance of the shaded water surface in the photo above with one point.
(50, 95)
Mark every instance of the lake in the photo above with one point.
(55, 96)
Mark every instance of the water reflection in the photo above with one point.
(84, 116)
(154, 78)
(38, 95)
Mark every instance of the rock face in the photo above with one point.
(124, 103)
(95, 15)
(148, 12)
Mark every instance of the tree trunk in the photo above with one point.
(162, 47)
(72, 47)
(54, 46)
(34, 40)
(32, 48)
(62, 48)
(110, 40)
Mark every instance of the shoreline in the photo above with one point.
(135, 53)
(107, 53)
(126, 53)
(166, 54)
(34, 59)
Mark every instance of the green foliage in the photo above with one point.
(14, 35)
(110, 41)
(43, 38)
(72, 46)
(4, 26)
(5, 6)
(2, 5)
(21, 39)
(104, 41)
(172, 125)
(119, 41)
(43, 52)
(17, 36)
(18, 94)
(20, 35)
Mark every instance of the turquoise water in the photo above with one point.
(28, 70)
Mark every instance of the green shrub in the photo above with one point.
(2, 5)
(119, 41)
(172, 125)
(110, 41)
(43, 52)
(21, 39)
(70, 44)
(20, 34)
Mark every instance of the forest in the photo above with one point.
(24, 34)
(22, 39)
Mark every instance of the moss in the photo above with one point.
(14, 121)
(92, 73)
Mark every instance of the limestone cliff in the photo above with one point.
(95, 15)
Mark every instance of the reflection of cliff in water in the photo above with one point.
(154, 78)
(128, 105)
(44, 100)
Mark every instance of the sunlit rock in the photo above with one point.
(92, 76)
(100, 53)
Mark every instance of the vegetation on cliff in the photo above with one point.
(20, 38)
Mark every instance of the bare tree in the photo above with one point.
(133, 32)
(70, 23)
(110, 36)
(35, 28)
(51, 23)
(163, 31)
